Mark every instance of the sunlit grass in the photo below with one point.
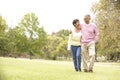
(25, 69)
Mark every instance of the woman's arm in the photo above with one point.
(70, 31)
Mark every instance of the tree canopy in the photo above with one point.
(108, 20)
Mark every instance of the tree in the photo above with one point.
(62, 50)
(62, 33)
(3, 39)
(51, 47)
(11, 43)
(57, 45)
(62, 47)
(36, 36)
(107, 19)
(3, 25)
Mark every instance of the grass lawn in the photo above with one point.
(25, 69)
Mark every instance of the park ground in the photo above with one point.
(37, 69)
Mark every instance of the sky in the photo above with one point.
(53, 15)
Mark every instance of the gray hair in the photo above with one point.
(87, 15)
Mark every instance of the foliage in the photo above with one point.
(36, 36)
(108, 21)
(57, 45)
(27, 37)
(3, 39)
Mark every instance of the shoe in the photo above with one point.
(85, 70)
(76, 70)
(90, 70)
(80, 70)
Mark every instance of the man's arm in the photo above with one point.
(96, 33)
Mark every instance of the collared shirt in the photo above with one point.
(89, 33)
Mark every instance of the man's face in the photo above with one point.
(86, 19)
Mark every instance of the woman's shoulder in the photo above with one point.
(93, 24)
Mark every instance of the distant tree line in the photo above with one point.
(28, 38)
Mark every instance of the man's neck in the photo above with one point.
(87, 22)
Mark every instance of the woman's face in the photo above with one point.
(77, 25)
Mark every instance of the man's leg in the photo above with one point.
(78, 58)
(92, 56)
(73, 49)
(92, 59)
(85, 57)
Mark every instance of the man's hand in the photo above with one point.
(92, 42)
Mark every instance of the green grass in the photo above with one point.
(25, 69)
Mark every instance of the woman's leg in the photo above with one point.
(73, 50)
(78, 55)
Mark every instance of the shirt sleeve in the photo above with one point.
(81, 26)
(69, 42)
(96, 31)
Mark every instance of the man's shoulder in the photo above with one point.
(93, 24)
(82, 25)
